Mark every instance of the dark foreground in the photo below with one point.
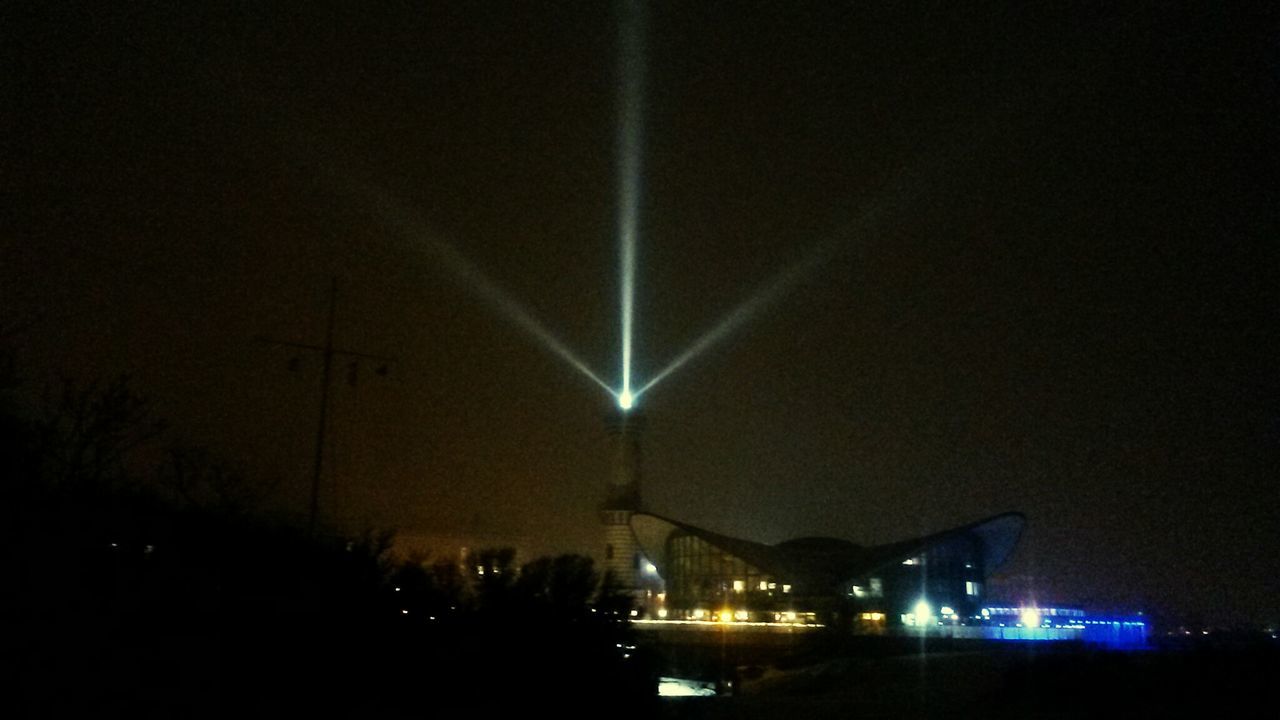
(1239, 678)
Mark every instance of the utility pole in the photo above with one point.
(327, 352)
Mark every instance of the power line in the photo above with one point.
(327, 352)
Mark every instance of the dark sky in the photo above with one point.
(1047, 278)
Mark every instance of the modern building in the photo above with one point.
(935, 585)
(916, 582)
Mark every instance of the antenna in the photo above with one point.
(328, 352)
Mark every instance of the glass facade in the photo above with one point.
(939, 579)
(948, 574)
(701, 576)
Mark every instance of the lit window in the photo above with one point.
(739, 585)
(662, 613)
(786, 588)
(972, 588)
(479, 569)
(773, 586)
(947, 611)
(877, 588)
(790, 616)
(764, 584)
(858, 591)
(909, 561)
(741, 615)
(699, 613)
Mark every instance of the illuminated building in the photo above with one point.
(934, 585)
(938, 578)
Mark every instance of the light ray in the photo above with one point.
(412, 228)
(629, 146)
(899, 191)
(766, 293)
(932, 171)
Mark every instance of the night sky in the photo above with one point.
(1040, 249)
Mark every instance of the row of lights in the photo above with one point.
(741, 586)
(739, 615)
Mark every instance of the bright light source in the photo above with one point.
(662, 613)
(651, 568)
(678, 687)
(626, 400)
(741, 615)
(1030, 617)
(922, 610)
(947, 611)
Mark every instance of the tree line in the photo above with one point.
(143, 577)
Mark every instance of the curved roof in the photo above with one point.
(820, 561)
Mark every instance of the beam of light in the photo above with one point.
(766, 293)
(630, 135)
(897, 195)
(416, 232)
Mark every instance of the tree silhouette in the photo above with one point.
(88, 431)
(561, 586)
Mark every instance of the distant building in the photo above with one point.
(936, 584)
(462, 548)
(916, 582)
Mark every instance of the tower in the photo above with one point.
(622, 498)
